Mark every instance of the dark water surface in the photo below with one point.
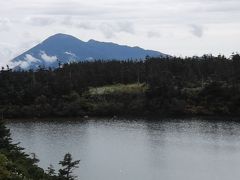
(167, 149)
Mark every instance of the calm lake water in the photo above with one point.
(167, 149)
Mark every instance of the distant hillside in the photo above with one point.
(65, 48)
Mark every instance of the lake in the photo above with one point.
(163, 149)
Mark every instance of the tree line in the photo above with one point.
(206, 85)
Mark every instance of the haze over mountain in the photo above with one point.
(65, 48)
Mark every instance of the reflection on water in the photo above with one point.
(124, 149)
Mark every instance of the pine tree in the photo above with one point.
(68, 165)
(5, 139)
(50, 170)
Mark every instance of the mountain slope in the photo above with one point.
(65, 48)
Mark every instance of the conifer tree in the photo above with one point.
(5, 139)
(50, 170)
(68, 165)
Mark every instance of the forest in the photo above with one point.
(207, 85)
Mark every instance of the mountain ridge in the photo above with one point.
(66, 48)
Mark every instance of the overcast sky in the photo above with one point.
(176, 27)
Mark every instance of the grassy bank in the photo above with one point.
(133, 100)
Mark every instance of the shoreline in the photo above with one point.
(129, 117)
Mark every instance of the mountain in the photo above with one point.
(65, 48)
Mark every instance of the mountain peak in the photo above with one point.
(67, 48)
(92, 40)
(60, 35)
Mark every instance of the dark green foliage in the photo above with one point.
(50, 170)
(16, 165)
(197, 85)
(5, 139)
(68, 165)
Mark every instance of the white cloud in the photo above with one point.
(153, 34)
(69, 21)
(72, 57)
(71, 54)
(27, 61)
(23, 65)
(125, 26)
(197, 30)
(48, 59)
(30, 59)
(110, 30)
(6, 51)
(40, 21)
(85, 25)
(4, 24)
